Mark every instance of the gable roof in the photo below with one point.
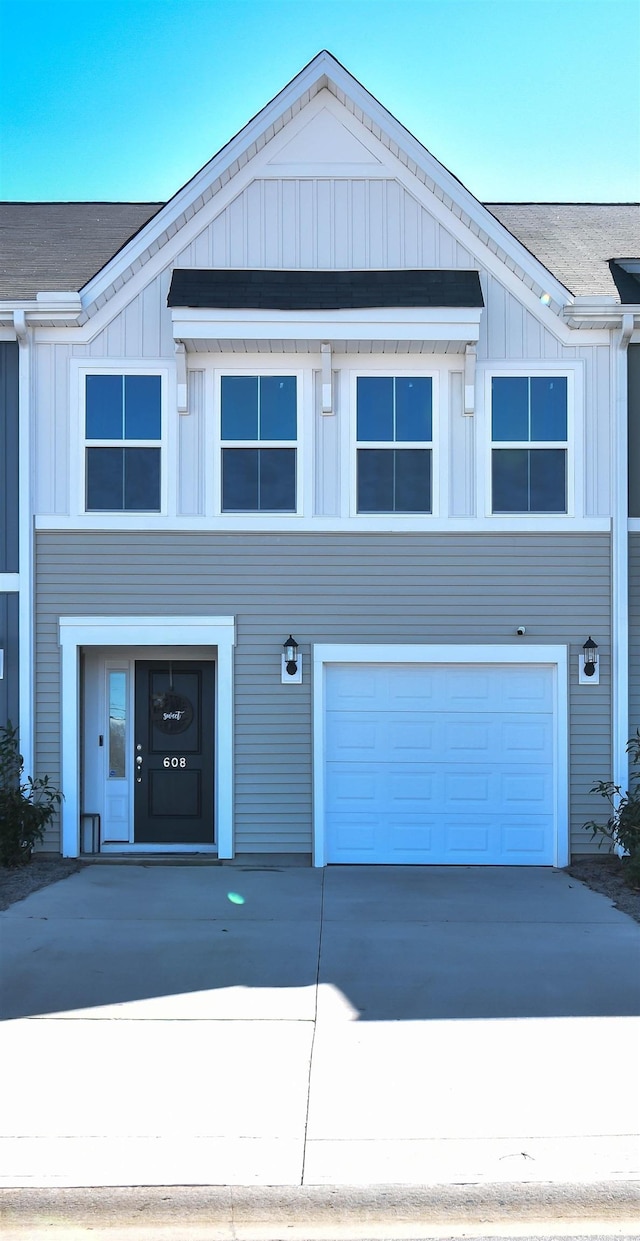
(70, 246)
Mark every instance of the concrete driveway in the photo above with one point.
(249, 1024)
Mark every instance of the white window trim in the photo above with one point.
(554, 656)
(301, 444)
(574, 444)
(167, 442)
(438, 466)
(142, 632)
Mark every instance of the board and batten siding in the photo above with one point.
(634, 632)
(633, 372)
(9, 686)
(331, 588)
(9, 511)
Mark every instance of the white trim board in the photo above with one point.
(554, 656)
(142, 632)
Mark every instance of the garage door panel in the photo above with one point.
(387, 687)
(385, 785)
(388, 736)
(465, 776)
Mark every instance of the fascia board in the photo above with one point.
(58, 307)
(383, 324)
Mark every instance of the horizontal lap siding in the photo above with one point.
(332, 588)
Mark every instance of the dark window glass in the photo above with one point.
(548, 480)
(529, 480)
(413, 409)
(375, 480)
(510, 480)
(239, 398)
(240, 480)
(105, 488)
(510, 408)
(259, 480)
(412, 480)
(123, 479)
(142, 417)
(394, 480)
(104, 396)
(278, 480)
(549, 408)
(375, 408)
(141, 479)
(278, 407)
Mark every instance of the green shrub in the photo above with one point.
(622, 828)
(26, 804)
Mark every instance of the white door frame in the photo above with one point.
(551, 656)
(145, 631)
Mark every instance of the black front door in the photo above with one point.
(173, 758)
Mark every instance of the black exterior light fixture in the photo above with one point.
(291, 655)
(590, 657)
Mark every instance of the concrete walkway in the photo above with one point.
(243, 1025)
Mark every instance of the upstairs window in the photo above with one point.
(529, 444)
(259, 432)
(123, 430)
(394, 444)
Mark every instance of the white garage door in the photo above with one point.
(439, 764)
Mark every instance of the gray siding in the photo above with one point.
(342, 588)
(633, 363)
(9, 688)
(8, 457)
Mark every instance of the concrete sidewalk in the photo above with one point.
(242, 1025)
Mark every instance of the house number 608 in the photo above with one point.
(174, 762)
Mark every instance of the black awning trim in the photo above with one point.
(323, 290)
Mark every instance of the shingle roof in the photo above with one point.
(47, 246)
(59, 246)
(322, 290)
(576, 241)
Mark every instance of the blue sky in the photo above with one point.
(126, 99)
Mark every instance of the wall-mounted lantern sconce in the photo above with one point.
(588, 665)
(291, 663)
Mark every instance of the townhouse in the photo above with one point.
(328, 540)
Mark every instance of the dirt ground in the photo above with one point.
(601, 872)
(606, 874)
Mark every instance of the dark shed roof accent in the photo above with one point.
(627, 283)
(322, 290)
